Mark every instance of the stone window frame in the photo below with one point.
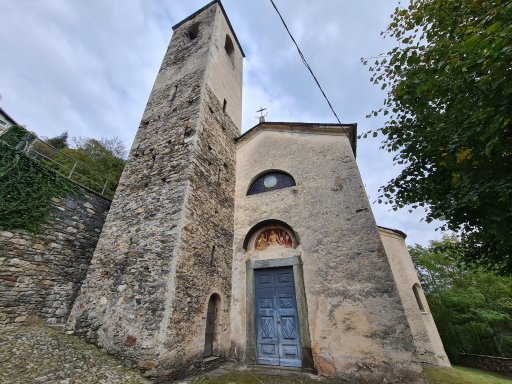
(302, 309)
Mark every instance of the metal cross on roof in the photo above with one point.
(262, 116)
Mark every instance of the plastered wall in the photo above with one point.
(356, 321)
(426, 337)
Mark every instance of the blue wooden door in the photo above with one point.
(277, 325)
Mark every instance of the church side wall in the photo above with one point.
(355, 316)
(41, 274)
(426, 337)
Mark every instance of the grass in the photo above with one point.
(455, 375)
(462, 375)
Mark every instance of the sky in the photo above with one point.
(87, 67)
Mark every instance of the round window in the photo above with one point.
(270, 181)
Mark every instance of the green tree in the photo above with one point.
(59, 141)
(96, 163)
(471, 306)
(448, 116)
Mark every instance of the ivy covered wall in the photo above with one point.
(49, 228)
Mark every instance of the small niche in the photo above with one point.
(416, 290)
(172, 96)
(209, 147)
(193, 31)
(164, 179)
(230, 49)
(224, 105)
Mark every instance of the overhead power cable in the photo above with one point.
(305, 62)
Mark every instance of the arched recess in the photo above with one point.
(270, 225)
(211, 334)
(417, 289)
(270, 180)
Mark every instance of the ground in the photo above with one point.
(39, 354)
(462, 375)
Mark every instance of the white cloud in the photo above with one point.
(88, 67)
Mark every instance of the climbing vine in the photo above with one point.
(26, 186)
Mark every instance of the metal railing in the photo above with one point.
(71, 168)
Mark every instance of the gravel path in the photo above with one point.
(38, 354)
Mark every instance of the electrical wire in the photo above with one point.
(305, 62)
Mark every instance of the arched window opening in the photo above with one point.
(270, 181)
(193, 31)
(416, 289)
(210, 338)
(230, 49)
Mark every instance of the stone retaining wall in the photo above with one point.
(41, 275)
(501, 365)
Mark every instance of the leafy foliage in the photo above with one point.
(471, 306)
(59, 141)
(449, 117)
(26, 188)
(96, 164)
(15, 134)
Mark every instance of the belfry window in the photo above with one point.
(230, 49)
(193, 31)
(270, 181)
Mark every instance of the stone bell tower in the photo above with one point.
(158, 289)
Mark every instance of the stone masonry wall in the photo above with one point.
(207, 248)
(40, 275)
(166, 246)
(502, 365)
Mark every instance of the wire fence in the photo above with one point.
(68, 166)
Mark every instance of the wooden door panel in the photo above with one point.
(278, 341)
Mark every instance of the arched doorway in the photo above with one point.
(211, 325)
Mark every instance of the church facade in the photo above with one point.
(260, 247)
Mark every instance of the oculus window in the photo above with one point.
(270, 181)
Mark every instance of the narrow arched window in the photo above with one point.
(416, 289)
(230, 49)
(270, 181)
(210, 336)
